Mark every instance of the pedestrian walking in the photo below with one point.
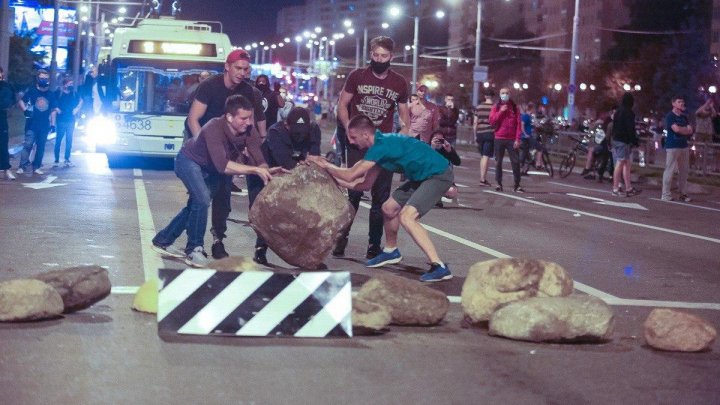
(373, 91)
(429, 176)
(69, 106)
(505, 118)
(677, 154)
(40, 107)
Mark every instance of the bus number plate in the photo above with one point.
(135, 125)
(169, 146)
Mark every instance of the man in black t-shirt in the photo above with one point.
(40, 107)
(8, 98)
(209, 103)
(270, 99)
(69, 105)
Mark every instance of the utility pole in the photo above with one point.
(573, 63)
(53, 57)
(5, 30)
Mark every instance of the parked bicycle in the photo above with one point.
(567, 164)
(546, 135)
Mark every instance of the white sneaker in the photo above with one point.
(39, 172)
(69, 163)
(56, 164)
(9, 175)
(20, 170)
(197, 258)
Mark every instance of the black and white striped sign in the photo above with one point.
(254, 303)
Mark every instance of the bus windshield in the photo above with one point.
(155, 89)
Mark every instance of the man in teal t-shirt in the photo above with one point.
(429, 175)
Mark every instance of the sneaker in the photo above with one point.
(20, 170)
(385, 258)
(485, 183)
(616, 192)
(667, 199)
(436, 273)
(9, 175)
(519, 189)
(197, 258)
(218, 250)
(56, 165)
(499, 188)
(589, 177)
(69, 163)
(339, 249)
(585, 172)
(633, 191)
(439, 204)
(260, 256)
(373, 251)
(684, 198)
(38, 172)
(169, 250)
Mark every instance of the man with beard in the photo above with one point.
(39, 105)
(373, 91)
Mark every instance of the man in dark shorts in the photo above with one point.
(209, 103)
(429, 175)
(373, 91)
(484, 137)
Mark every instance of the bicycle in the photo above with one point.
(545, 134)
(567, 164)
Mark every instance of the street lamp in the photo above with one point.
(573, 62)
(396, 12)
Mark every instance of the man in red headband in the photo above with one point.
(209, 103)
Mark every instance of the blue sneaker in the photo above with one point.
(436, 273)
(385, 258)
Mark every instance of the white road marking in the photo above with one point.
(608, 298)
(611, 203)
(584, 196)
(46, 183)
(686, 204)
(151, 260)
(124, 289)
(461, 185)
(137, 172)
(579, 187)
(622, 221)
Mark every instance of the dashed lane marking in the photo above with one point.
(622, 221)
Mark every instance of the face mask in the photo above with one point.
(263, 87)
(297, 137)
(504, 97)
(379, 68)
(43, 82)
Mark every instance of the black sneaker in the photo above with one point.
(499, 188)
(373, 250)
(585, 172)
(218, 250)
(519, 189)
(339, 250)
(260, 256)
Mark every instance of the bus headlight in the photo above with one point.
(101, 131)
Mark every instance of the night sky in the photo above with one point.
(243, 20)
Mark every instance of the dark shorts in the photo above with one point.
(486, 148)
(423, 195)
(621, 151)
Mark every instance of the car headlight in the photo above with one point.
(102, 130)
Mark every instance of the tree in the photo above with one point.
(21, 62)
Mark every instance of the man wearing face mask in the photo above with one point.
(373, 91)
(40, 107)
(270, 99)
(69, 105)
(505, 118)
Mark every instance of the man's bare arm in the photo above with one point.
(404, 113)
(197, 110)
(342, 108)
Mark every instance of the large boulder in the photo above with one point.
(672, 330)
(369, 315)
(80, 287)
(492, 283)
(301, 215)
(409, 302)
(29, 300)
(554, 319)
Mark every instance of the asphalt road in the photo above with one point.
(637, 256)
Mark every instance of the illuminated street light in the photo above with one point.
(318, 30)
(254, 44)
(114, 20)
(712, 89)
(385, 25)
(273, 46)
(583, 86)
(347, 23)
(439, 14)
(83, 9)
(122, 10)
(298, 38)
(637, 87)
(486, 84)
(394, 11)
(306, 34)
(557, 86)
(351, 31)
(592, 87)
(516, 86)
(525, 86)
(626, 87)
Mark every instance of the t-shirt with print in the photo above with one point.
(41, 103)
(375, 97)
(67, 102)
(400, 154)
(527, 126)
(675, 141)
(213, 93)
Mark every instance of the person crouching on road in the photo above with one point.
(200, 165)
(287, 143)
(429, 175)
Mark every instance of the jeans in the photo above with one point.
(64, 130)
(501, 145)
(221, 207)
(193, 218)
(4, 156)
(676, 158)
(38, 138)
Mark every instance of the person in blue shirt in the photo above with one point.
(429, 175)
(677, 154)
